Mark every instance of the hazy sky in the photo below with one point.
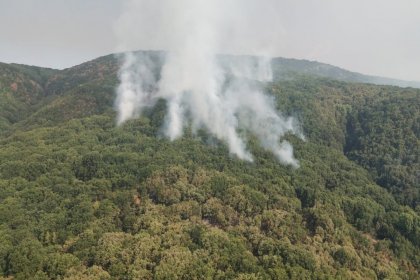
(379, 37)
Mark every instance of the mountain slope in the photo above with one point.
(286, 68)
(376, 126)
(21, 89)
(83, 199)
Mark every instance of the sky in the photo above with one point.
(377, 37)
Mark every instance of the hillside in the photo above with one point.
(83, 199)
(285, 68)
(22, 88)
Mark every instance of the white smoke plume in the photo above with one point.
(204, 90)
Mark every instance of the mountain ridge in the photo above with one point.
(283, 68)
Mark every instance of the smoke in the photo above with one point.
(222, 94)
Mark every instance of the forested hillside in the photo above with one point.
(81, 198)
(286, 68)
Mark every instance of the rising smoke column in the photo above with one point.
(137, 83)
(200, 88)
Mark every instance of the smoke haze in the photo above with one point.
(202, 89)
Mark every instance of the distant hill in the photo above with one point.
(285, 68)
(288, 68)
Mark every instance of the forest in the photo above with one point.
(82, 198)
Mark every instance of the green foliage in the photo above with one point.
(83, 199)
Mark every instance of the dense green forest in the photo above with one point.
(81, 198)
